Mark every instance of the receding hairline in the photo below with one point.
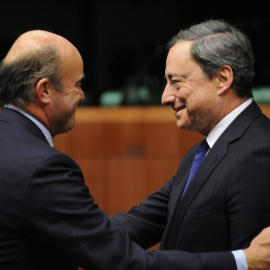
(33, 41)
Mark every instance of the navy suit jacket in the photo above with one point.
(227, 203)
(49, 221)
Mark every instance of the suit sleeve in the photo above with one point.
(60, 217)
(146, 222)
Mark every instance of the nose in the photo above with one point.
(168, 96)
(82, 97)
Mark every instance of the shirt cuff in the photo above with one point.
(241, 260)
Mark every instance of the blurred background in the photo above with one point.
(123, 41)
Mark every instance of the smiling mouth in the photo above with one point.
(178, 110)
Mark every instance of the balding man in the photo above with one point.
(48, 220)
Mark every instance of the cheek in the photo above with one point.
(200, 98)
(76, 96)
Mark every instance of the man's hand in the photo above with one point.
(258, 253)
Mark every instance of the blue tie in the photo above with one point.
(199, 157)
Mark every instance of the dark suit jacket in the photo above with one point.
(227, 203)
(49, 221)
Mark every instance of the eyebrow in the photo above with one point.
(171, 75)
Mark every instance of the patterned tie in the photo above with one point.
(199, 157)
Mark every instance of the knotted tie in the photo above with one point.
(199, 157)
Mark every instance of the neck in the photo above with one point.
(37, 112)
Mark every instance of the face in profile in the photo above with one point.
(191, 94)
(65, 102)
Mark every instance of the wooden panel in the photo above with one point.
(62, 142)
(190, 138)
(125, 139)
(266, 110)
(88, 138)
(163, 139)
(130, 180)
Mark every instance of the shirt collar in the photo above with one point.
(215, 133)
(44, 130)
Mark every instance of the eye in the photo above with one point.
(176, 83)
(79, 84)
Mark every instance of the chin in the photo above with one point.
(70, 127)
(67, 128)
(183, 125)
(180, 126)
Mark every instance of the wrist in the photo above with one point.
(250, 259)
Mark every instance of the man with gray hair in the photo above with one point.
(225, 202)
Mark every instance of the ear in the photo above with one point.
(225, 79)
(44, 90)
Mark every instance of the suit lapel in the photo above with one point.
(175, 197)
(214, 157)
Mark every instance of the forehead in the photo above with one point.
(72, 65)
(179, 59)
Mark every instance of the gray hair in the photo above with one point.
(18, 79)
(217, 43)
